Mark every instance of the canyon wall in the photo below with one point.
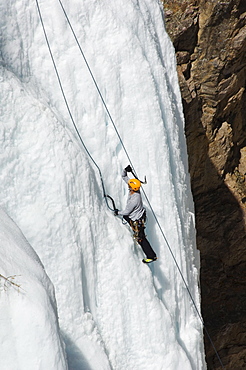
(210, 42)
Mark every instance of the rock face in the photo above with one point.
(210, 42)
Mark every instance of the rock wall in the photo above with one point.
(210, 41)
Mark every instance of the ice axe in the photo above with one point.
(113, 203)
(129, 169)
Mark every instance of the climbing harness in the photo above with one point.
(123, 146)
(138, 227)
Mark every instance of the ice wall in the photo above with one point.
(114, 312)
(30, 334)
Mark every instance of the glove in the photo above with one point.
(116, 211)
(128, 168)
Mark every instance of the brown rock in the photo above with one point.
(212, 34)
(182, 57)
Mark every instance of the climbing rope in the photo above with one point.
(96, 85)
(128, 157)
(68, 108)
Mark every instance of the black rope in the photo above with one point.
(96, 85)
(123, 146)
(68, 108)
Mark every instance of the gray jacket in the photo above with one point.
(134, 206)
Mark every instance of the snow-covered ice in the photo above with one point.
(30, 336)
(114, 311)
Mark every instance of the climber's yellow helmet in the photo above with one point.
(134, 184)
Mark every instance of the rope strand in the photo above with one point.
(96, 85)
(68, 108)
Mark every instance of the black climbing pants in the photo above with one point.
(138, 228)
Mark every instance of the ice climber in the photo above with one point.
(135, 215)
